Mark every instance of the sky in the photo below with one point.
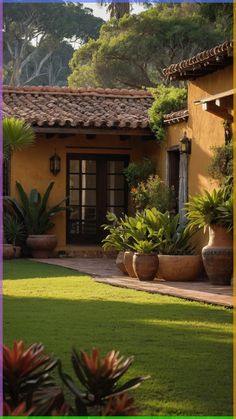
(100, 11)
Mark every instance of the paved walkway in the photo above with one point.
(105, 270)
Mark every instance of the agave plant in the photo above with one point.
(99, 377)
(33, 210)
(14, 230)
(25, 371)
(17, 134)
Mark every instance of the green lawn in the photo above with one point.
(186, 347)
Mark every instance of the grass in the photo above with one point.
(186, 347)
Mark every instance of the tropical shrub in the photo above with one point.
(167, 99)
(153, 193)
(29, 388)
(33, 210)
(221, 166)
(139, 172)
(116, 237)
(214, 207)
(173, 239)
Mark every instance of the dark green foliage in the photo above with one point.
(14, 230)
(166, 100)
(139, 172)
(221, 166)
(214, 207)
(33, 210)
(53, 27)
(173, 239)
(165, 34)
(153, 193)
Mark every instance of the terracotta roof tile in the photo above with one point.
(175, 117)
(66, 107)
(203, 63)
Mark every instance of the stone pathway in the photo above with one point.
(105, 271)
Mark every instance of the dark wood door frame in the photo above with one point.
(101, 195)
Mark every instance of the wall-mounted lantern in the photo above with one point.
(55, 164)
(185, 145)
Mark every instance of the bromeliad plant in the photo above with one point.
(29, 389)
(33, 210)
(99, 378)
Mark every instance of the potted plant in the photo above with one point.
(177, 261)
(115, 239)
(15, 233)
(145, 261)
(37, 218)
(215, 211)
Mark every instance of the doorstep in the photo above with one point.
(105, 271)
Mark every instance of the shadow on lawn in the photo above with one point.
(185, 348)
(28, 269)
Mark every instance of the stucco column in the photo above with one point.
(183, 186)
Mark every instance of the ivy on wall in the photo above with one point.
(167, 99)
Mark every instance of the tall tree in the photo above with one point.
(133, 51)
(35, 33)
(117, 9)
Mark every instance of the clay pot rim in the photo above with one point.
(146, 254)
(180, 256)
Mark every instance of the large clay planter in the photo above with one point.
(8, 251)
(120, 263)
(128, 260)
(218, 255)
(145, 266)
(17, 251)
(180, 268)
(41, 245)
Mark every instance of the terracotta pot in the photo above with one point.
(145, 266)
(8, 251)
(17, 251)
(120, 262)
(218, 255)
(180, 267)
(41, 245)
(128, 260)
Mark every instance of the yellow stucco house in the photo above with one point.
(97, 132)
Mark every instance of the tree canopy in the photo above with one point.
(38, 39)
(132, 51)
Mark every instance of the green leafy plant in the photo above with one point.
(17, 134)
(153, 193)
(173, 239)
(139, 172)
(214, 207)
(221, 166)
(116, 237)
(167, 99)
(14, 230)
(33, 210)
(145, 246)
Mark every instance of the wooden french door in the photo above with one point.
(95, 185)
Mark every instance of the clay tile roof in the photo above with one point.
(175, 117)
(83, 107)
(203, 63)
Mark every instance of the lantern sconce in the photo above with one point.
(55, 164)
(185, 145)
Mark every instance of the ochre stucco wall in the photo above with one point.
(205, 130)
(30, 167)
